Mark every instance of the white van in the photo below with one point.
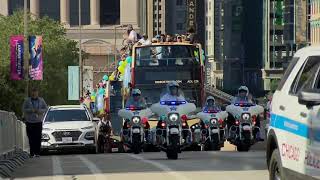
(293, 144)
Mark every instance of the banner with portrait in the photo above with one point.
(16, 57)
(36, 59)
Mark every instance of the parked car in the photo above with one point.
(70, 127)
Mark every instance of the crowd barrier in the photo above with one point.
(14, 143)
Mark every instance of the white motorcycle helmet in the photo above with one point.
(172, 84)
(210, 98)
(243, 88)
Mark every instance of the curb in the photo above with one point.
(9, 164)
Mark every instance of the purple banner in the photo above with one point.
(16, 57)
(36, 60)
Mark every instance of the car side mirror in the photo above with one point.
(95, 119)
(309, 97)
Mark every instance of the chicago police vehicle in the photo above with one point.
(293, 145)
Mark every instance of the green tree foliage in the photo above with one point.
(59, 53)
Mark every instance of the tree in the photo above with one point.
(59, 53)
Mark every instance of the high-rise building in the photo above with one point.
(285, 31)
(172, 17)
(242, 44)
(315, 22)
(214, 42)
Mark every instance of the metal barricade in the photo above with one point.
(13, 136)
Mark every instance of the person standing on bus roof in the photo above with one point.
(173, 93)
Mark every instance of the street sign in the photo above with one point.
(73, 83)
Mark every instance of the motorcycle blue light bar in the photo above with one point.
(172, 102)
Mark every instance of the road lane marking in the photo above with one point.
(160, 166)
(93, 168)
(57, 170)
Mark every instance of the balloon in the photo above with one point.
(100, 102)
(111, 78)
(105, 77)
(129, 59)
(120, 63)
(100, 84)
(121, 69)
(101, 91)
(93, 98)
(125, 63)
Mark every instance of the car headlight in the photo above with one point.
(136, 120)
(45, 136)
(46, 129)
(213, 121)
(89, 135)
(88, 127)
(246, 116)
(173, 117)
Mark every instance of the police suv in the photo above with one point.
(293, 145)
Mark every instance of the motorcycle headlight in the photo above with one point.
(173, 117)
(245, 116)
(213, 121)
(136, 120)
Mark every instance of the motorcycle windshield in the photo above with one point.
(168, 99)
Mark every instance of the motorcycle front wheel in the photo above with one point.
(173, 148)
(136, 144)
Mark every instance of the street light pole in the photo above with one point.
(25, 33)
(80, 53)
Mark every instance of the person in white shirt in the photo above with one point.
(132, 34)
(144, 41)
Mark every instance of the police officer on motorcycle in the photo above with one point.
(137, 101)
(173, 93)
(210, 106)
(243, 95)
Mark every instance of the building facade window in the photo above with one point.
(179, 26)
(109, 12)
(179, 2)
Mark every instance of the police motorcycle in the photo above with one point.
(172, 133)
(243, 122)
(134, 134)
(212, 129)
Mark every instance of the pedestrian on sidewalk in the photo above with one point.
(34, 108)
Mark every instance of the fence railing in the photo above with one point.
(13, 136)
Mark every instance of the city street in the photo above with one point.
(226, 165)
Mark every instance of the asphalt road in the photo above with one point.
(227, 165)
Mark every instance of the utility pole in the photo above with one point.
(25, 33)
(80, 53)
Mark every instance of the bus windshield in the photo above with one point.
(167, 55)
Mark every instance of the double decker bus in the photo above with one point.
(153, 66)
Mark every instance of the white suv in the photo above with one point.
(293, 145)
(69, 127)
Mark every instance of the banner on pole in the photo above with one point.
(16, 57)
(73, 83)
(36, 60)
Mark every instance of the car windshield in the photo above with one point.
(166, 55)
(66, 115)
